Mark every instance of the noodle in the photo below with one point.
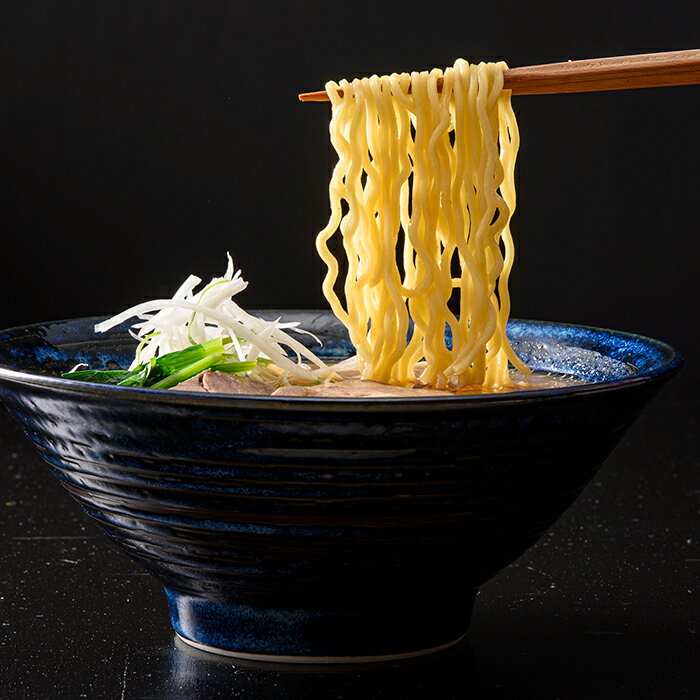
(427, 178)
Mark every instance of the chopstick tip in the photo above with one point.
(319, 96)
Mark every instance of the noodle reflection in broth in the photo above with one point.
(427, 178)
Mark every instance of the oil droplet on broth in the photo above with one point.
(525, 382)
(521, 382)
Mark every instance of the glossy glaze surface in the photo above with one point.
(327, 527)
(611, 587)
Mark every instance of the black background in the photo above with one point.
(142, 140)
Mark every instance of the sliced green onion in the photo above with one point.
(199, 300)
(142, 344)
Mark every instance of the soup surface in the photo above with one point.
(352, 386)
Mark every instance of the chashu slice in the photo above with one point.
(191, 384)
(224, 383)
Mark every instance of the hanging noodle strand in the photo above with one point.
(427, 179)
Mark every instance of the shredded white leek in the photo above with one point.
(191, 317)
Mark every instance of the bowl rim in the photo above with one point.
(671, 364)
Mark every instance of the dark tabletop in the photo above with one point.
(604, 606)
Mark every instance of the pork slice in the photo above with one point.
(191, 384)
(294, 391)
(226, 383)
(357, 388)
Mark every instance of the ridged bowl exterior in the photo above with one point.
(320, 527)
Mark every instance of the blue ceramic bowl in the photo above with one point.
(302, 529)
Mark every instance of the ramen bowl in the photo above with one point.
(326, 530)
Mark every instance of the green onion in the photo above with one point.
(235, 367)
(101, 376)
(172, 368)
(188, 371)
(144, 375)
(175, 361)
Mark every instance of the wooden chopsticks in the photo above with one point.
(591, 75)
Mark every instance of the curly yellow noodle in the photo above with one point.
(428, 178)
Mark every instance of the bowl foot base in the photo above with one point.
(338, 633)
(286, 659)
